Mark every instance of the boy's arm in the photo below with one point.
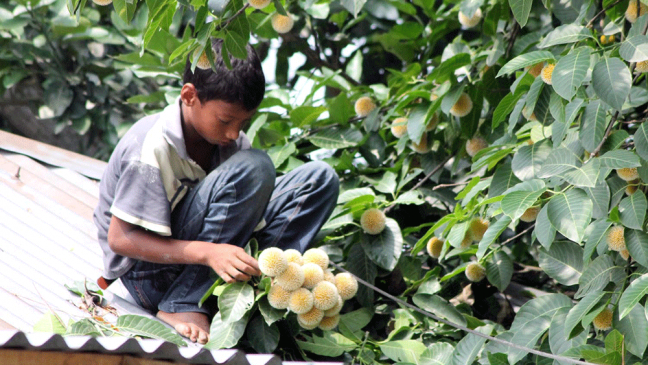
(230, 262)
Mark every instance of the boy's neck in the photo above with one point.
(197, 148)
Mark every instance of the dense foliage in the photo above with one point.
(504, 141)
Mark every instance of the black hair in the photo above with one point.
(244, 83)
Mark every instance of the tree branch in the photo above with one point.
(591, 22)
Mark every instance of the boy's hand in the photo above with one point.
(232, 263)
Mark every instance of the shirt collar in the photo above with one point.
(173, 128)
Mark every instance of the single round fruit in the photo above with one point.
(293, 255)
(603, 320)
(329, 276)
(530, 214)
(467, 240)
(328, 323)
(203, 61)
(310, 319)
(547, 72)
(301, 301)
(628, 173)
(472, 21)
(292, 278)
(336, 309)
(475, 145)
(325, 295)
(475, 272)
(632, 187)
(272, 261)
(422, 146)
(535, 70)
(434, 247)
(631, 13)
(625, 254)
(347, 285)
(313, 274)
(463, 106)
(259, 4)
(364, 106)
(316, 256)
(615, 238)
(282, 23)
(432, 123)
(279, 297)
(478, 227)
(399, 127)
(641, 66)
(373, 221)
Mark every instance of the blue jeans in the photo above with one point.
(226, 207)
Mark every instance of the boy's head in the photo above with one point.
(243, 84)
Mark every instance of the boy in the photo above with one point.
(183, 193)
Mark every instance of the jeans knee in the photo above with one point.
(257, 168)
(326, 176)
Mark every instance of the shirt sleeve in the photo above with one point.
(141, 199)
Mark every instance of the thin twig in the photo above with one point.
(440, 186)
(591, 22)
(518, 235)
(238, 13)
(511, 41)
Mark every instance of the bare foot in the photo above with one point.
(192, 325)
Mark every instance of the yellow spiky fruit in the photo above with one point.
(364, 106)
(328, 323)
(346, 285)
(467, 240)
(632, 187)
(625, 254)
(272, 261)
(399, 127)
(615, 238)
(316, 256)
(279, 297)
(373, 221)
(463, 106)
(282, 23)
(628, 173)
(259, 4)
(434, 247)
(310, 319)
(467, 22)
(478, 227)
(432, 123)
(293, 255)
(422, 146)
(641, 66)
(329, 276)
(631, 11)
(547, 73)
(203, 61)
(313, 274)
(475, 272)
(530, 214)
(292, 278)
(475, 145)
(603, 320)
(336, 309)
(301, 301)
(325, 295)
(534, 70)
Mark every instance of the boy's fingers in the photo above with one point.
(252, 266)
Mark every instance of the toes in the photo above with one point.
(203, 337)
(183, 329)
(194, 333)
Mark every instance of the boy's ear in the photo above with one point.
(188, 94)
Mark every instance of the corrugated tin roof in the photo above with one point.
(48, 239)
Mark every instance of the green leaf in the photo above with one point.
(637, 245)
(570, 213)
(83, 327)
(611, 80)
(563, 262)
(524, 60)
(614, 342)
(521, 10)
(595, 234)
(353, 6)
(499, 270)
(225, 335)
(598, 274)
(560, 160)
(235, 301)
(593, 125)
(491, 234)
(617, 159)
(559, 340)
(279, 154)
(545, 233)
(469, 347)
(529, 159)
(633, 210)
(584, 176)
(570, 72)
(633, 328)
(51, 323)
(641, 140)
(503, 179)
(263, 338)
(330, 344)
(353, 194)
(438, 353)
(385, 248)
(586, 304)
(147, 327)
(417, 121)
(516, 203)
(125, 9)
(565, 34)
(600, 195)
(632, 295)
(336, 137)
(405, 351)
(306, 115)
(439, 306)
(504, 108)
(634, 49)
(270, 314)
(359, 264)
(356, 320)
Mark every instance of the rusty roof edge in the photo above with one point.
(146, 348)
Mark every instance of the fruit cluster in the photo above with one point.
(305, 285)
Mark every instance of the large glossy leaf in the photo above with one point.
(521, 10)
(504, 108)
(632, 210)
(83, 327)
(641, 140)
(147, 327)
(235, 300)
(563, 262)
(499, 270)
(634, 49)
(529, 159)
(612, 80)
(50, 323)
(545, 233)
(516, 203)
(633, 328)
(600, 195)
(581, 308)
(593, 125)
(330, 344)
(632, 295)
(598, 274)
(334, 138)
(617, 159)
(438, 353)
(570, 213)
(263, 338)
(560, 160)
(570, 72)
(405, 351)
(385, 248)
(439, 306)
(469, 347)
(583, 176)
(492, 233)
(359, 264)
(524, 60)
(503, 179)
(559, 341)
(270, 314)
(353, 6)
(637, 244)
(564, 34)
